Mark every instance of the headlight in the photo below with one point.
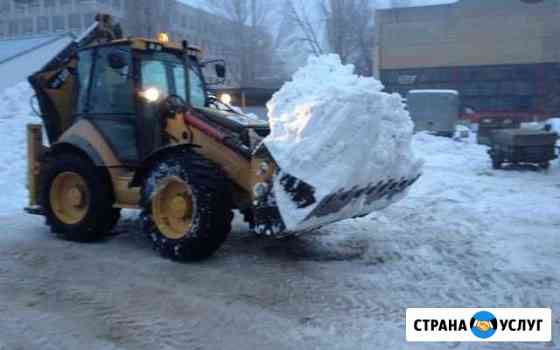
(226, 98)
(151, 94)
(260, 190)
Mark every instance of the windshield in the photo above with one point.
(198, 94)
(166, 72)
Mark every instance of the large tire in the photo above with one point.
(98, 216)
(210, 217)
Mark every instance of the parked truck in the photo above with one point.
(435, 111)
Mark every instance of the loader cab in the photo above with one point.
(121, 90)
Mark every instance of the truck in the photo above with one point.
(434, 111)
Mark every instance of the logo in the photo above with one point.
(484, 324)
(479, 325)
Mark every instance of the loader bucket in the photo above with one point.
(290, 205)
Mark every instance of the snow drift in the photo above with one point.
(337, 131)
(15, 114)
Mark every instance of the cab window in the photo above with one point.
(112, 90)
(154, 75)
(197, 93)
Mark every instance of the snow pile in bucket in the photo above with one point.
(336, 130)
(15, 113)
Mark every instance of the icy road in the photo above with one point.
(467, 236)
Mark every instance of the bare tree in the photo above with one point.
(344, 27)
(308, 33)
(253, 47)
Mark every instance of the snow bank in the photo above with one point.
(15, 113)
(336, 130)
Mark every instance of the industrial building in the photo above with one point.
(503, 56)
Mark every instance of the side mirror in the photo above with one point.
(117, 61)
(220, 70)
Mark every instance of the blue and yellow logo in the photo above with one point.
(484, 324)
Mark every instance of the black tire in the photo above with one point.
(100, 218)
(545, 165)
(213, 214)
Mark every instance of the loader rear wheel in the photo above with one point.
(186, 206)
(77, 199)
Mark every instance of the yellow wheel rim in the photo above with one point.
(69, 196)
(173, 208)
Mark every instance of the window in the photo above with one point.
(117, 4)
(74, 21)
(165, 72)
(180, 81)
(42, 24)
(13, 28)
(112, 90)
(64, 3)
(20, 7)
(3, 30)
(49, 3)
(197, 95)
(4, 6)
(58, 23)
(27, 25)
(154, 75)
(84, 76)
(89, 19)
(34, 6)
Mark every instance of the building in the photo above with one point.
(31, 18)
(40, 17)
(503, 56)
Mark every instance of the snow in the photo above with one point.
(26, 56)
(554, 124)
(15, 113)
(328, 120)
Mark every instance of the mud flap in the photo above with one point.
(313, 211)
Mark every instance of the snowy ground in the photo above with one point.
(467, 236)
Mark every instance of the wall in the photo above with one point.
(470, 32)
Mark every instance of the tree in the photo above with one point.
(309, 34)
(344, 27)
(253, 48)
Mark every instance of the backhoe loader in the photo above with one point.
(131, 125)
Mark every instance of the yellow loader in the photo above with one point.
(131, 124)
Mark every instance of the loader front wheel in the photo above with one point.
(77, 199)
(186, 206)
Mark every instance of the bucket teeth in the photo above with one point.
(301, 193)
(343, 204)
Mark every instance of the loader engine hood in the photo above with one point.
(341, 149)
(245, 131)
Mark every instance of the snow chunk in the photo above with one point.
(336, 130)
(15, 114)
